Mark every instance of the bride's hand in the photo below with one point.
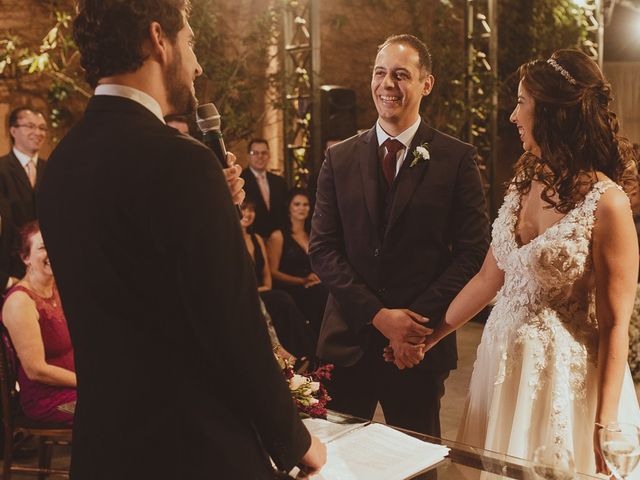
(389, 355)
(404, 354)
(601, 466)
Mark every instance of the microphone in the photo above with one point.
(208, 120)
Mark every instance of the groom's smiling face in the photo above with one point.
(397, 85)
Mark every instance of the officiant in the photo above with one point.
(176, 377)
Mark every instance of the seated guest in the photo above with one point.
(266, 190)
(33, 317)
(22, 168)
(291, 326)
(289, 260)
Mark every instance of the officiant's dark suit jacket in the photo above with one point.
(176, 377)
(416, 253)
(275, 218)
(16, 189)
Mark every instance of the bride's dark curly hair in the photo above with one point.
(110, 33)
(574, 128)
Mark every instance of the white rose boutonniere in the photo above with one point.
(420, 154)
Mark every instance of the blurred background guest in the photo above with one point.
(178, 121)
(266, 190)
(21, 169)
(288, 251)
(293, 329)
(32, 315)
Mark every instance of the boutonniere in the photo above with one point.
(420, 154)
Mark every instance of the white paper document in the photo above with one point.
(327, 431)
(375, 452)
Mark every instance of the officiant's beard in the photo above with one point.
(179, 90)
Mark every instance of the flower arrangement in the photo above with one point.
(307, 391)
(420, 154)
(634, 339)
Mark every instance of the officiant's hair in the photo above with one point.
(573, 126)
(424, 56)
(110, 33)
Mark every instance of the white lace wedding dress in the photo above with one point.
(535, 377)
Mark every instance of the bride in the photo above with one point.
(552, 364)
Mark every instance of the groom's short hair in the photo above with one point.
(424, 56)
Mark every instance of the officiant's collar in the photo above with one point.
(131, 93)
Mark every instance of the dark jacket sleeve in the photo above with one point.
(470, 241)
(219, 293)
(328, 259)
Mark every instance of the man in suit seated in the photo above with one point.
(22, 168)
(267, 191)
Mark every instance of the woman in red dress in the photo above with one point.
(33, 317)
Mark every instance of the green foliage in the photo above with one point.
(235, 64)
(530, 29)
(55, 60)
(445, 107)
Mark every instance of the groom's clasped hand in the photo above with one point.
(406, 333)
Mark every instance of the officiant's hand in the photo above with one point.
(234, 180)
(314, 459)
(404, 355)
(402, 325)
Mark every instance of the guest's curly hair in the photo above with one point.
(110, 33)
(574, 128)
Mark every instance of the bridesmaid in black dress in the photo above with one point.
(289, 260)
(292, 328)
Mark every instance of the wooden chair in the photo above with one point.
(14, 422)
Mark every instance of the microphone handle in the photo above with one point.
(213, 139)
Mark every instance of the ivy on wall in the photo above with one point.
(49, 70)
(530, 29)
(235, 62)
(234, 65)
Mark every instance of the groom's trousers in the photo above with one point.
(410, 398)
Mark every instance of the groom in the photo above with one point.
(399, 227)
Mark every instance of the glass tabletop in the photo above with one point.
(464, 461)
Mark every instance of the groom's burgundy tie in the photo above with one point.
(390, 159)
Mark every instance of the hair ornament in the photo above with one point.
(562, 71)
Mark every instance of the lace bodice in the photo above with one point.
(552, 272)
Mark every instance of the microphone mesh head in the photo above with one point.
(208, 118)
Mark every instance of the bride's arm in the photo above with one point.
(615, 260)
(475, 295)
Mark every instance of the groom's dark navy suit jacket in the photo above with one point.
(417, 254)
